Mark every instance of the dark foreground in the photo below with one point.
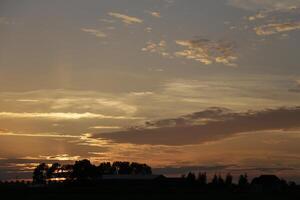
(142, 190)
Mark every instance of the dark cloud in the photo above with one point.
(208, 125)
(295, 89)
(210, 114)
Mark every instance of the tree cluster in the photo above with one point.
(84, 170)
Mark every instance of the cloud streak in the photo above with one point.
(61, 116)
(47, 135)
(94, 32)
(263, 4)
(271, 29)
(125, 18)
(154, 14)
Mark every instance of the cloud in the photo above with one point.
(92, 103)
(105, 127)
(109, 21)
(28, 100)
(207, 125)
(147, 93)
(69, 101)
(296, 87)
(270, 21)
(208, 51)
(274, 21)
(271, 29)
(264, 4)
(58, 157)
(95, 32)
(158, 48)
(46, 135)
(60, 116)
(125, 18)
(5, 21)
(154, 14)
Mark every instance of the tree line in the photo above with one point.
(83, 170)
(261, 183)
(217, 180)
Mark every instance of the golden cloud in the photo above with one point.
(61, 116)
(95, 32)
(271, 29)
(159, 48)
(125, 18)
(207, 51)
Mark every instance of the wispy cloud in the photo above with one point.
(105, 127)
(208, 51)
(280, 18)
(159, 48)
(295, 87)
(28, 100)
(274, 21)
(93, 103)
(5, 21)
(125, 18)
(61, 116)
(47, 135)
(141, 93)
(264, 4)
(95, 32)
(154, 14)
(58, 157)
(110, 21)
(271, 29)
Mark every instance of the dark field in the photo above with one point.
(141, 190)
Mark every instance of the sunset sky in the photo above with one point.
(182, 85)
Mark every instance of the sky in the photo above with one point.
(182, 85)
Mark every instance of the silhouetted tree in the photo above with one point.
(40, 174)
(243, 181)
(66, 171)
(292, 185)
(220, 181)
(122, 167)
(228, 180)
(268, 183)
(284, 183)
(53, 170)
(215, 180)
(191, 177)
(147, 169)
(143, 169)
(106, 168)
(84, 170)
(202, 178)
